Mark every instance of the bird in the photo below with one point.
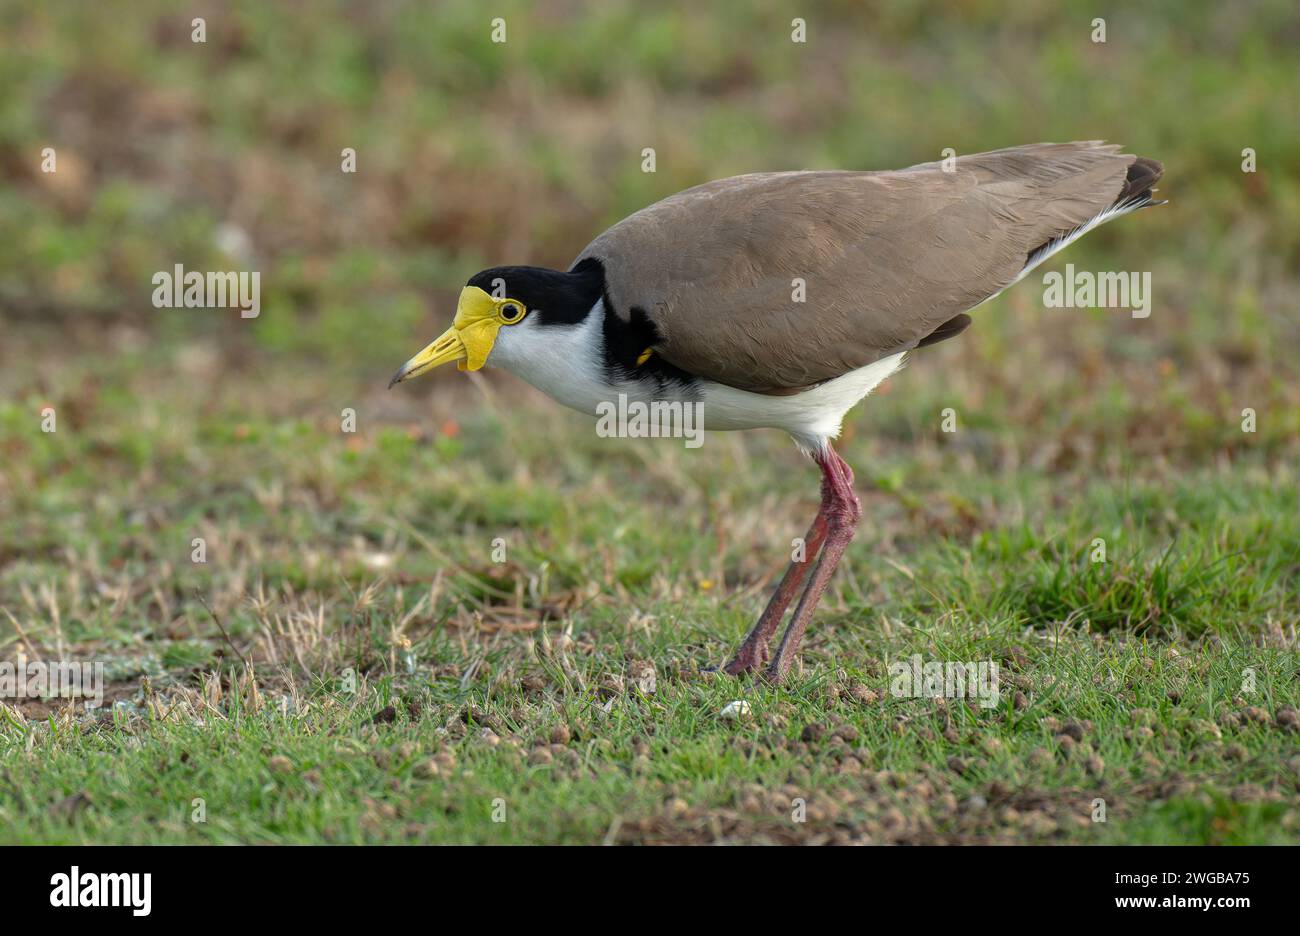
(780, 300)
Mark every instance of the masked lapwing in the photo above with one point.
(779, 300)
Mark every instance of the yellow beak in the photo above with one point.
(444, 349)
(469, 340)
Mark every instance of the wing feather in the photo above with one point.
(885, 258)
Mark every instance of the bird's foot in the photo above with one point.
(774, 673)
(748, 659)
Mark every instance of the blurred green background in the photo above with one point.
(226, 154)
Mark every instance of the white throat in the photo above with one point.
(562, 361)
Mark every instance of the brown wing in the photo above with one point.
(886, 259)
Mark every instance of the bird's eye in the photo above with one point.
(511, 312)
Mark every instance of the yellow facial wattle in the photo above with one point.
(472, 334)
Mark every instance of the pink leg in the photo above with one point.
(752, 653)
(842, 514)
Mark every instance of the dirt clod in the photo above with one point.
(641, 674)
(863, 695)
(1016, 658)
(1073, 730)
(71, 806)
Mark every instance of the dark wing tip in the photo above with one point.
(1142, 174)
(949, 329)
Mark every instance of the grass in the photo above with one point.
(474, 609)
(364, 562)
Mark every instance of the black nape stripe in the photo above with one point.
(626, 339)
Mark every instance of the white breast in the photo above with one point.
(565, 363)
(811, 417)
